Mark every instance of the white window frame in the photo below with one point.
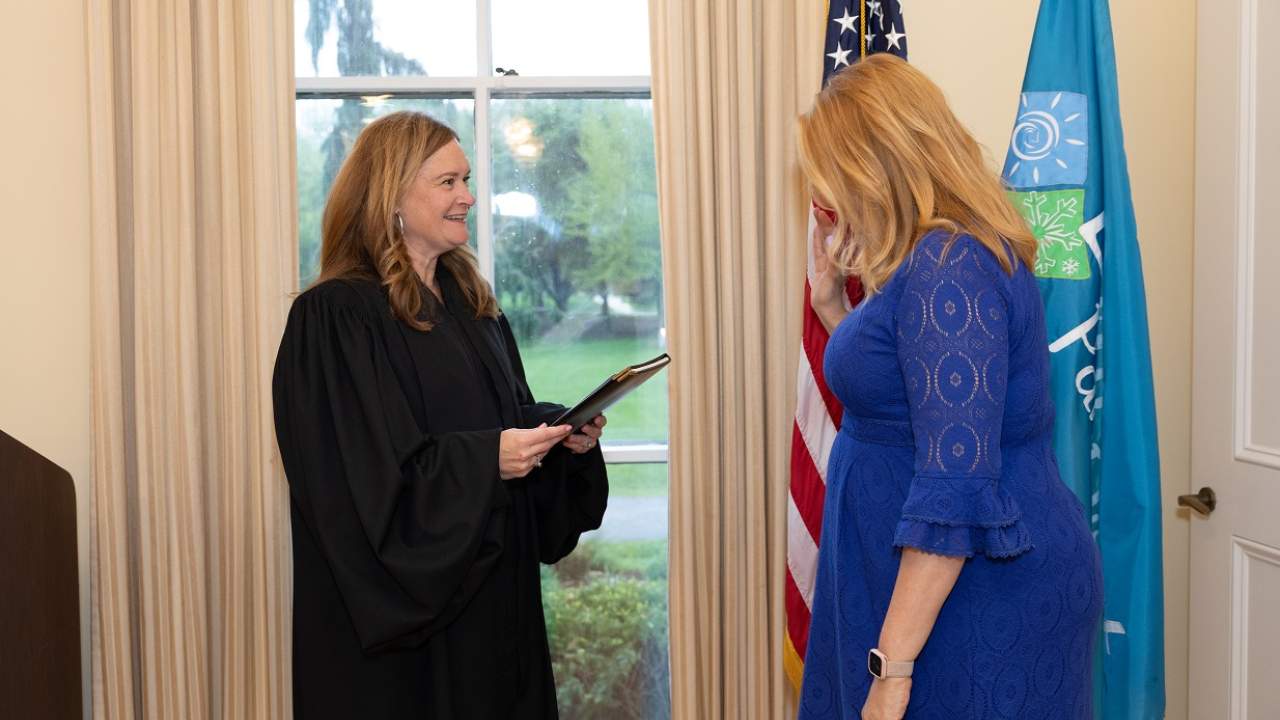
(482, 89)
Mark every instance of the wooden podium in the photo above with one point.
(39, 587)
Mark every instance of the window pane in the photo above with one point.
(606, 606)
(571, 37)
(335, 38)
(326, 128)
(579, 269)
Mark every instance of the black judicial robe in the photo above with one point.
(416, 583)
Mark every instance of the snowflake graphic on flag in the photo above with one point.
(1055, 217)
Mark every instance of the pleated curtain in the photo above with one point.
(193, 253)
(729, 79)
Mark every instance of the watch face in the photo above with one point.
(875, 665)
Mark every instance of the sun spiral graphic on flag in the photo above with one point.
(1036, 135)
(1049, 145)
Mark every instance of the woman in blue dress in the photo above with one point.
(957, 577)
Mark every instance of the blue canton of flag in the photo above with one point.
(858, 28)
(1067, 175)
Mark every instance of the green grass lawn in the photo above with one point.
(564, 373)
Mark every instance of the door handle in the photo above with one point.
(1202, 502)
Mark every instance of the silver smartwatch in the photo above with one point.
(881, 667)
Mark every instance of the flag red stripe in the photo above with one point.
(853, 289)
(797, 617)
(807, 488)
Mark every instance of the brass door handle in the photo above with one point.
(1202, 502)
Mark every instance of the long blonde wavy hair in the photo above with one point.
(359, 233)
(882, 147)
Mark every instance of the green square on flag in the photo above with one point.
(1055, 217)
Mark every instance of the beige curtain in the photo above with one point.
(729, 79)
(193, 227)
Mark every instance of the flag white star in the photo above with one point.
(840, 56)
(871, 38)
(846, 22)
(893, 36)
(874, 9)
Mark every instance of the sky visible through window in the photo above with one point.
(605, 38)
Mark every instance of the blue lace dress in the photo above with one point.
(946, 446)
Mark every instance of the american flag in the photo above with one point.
(855, 28)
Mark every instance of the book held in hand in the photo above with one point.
(611, 391)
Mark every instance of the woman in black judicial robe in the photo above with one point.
(420, 507)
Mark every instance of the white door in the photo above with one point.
(1235, 550)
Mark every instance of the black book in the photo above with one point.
(611, 391)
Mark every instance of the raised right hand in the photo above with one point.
(827, 293)
(520, 451)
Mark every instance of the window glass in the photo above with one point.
(326, 128)
(606, 606)
(571, 37)
(577, 257)
(577, 267)
(337, 38)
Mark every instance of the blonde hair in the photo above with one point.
(359, 233)
(883, 149)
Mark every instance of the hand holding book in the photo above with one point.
(609, 392)
(587, 437)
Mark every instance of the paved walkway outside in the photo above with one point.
(633, 518)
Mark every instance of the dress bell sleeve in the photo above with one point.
(409, 524)
(569, 491)
(953, 350)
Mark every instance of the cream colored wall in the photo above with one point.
(977, 51)
(44, 254)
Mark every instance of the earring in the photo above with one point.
(400, 223)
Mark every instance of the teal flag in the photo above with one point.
(1067, 175)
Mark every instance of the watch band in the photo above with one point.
(882, 667)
